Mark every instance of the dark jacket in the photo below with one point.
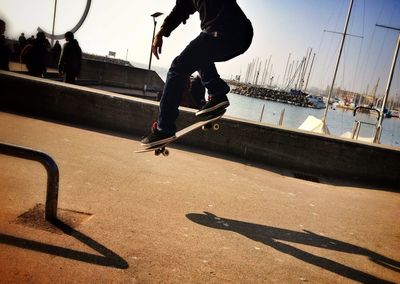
(5, 54)
(71, 58)
(222, 16)
(35, 57)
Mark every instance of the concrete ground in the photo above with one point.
(19, 67)
(191, 217)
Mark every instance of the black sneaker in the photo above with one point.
(214, 105)
(156, 137)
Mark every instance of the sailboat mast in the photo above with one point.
(309, 73)
(337, 63)
(303, 75)
(389, 83)
(286, 69)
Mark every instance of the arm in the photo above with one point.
(179, 14)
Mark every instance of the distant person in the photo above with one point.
(22, 41)
(226, 33)
(47, 44)
(55, 53)
(5, 51)
(71, 58)
(193, 94)
(30, 40)
(34, 55)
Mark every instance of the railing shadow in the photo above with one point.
(272, 236)
(107, 257)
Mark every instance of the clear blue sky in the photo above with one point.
(281, 27)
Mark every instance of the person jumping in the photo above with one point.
(226, 33)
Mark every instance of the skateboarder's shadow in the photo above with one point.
(273, 236)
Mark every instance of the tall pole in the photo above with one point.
(151, 48)
(54, 22)
(305, 68)
(263, 74)
(389, 83)
(309, 73)
(267, 70)
(289, 74)
(286, 69)
(337, 65)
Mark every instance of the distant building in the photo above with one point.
(107, 59)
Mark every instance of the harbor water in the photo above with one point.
(339, 121)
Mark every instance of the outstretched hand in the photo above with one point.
(157, 45)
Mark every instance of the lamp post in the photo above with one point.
(155, 15)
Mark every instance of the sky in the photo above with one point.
(281, 27)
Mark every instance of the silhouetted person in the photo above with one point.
(47, 44)
(22, 41)
(5, 51)
(71, 57)
(34, 55)
(56, 52)
(30, 40)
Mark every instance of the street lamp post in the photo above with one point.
(155, 15)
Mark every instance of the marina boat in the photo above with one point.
(392, 113)
(316, 101)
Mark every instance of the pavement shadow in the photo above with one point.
(272, 236)
(107, 257)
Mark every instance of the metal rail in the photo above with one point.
(373, 119)
(52, 174)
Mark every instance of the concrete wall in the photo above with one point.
(120, 76)
(302, 153)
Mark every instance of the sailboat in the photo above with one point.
(319, 125)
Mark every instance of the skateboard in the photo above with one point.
(207, 124)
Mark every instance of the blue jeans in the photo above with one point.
(200, 55)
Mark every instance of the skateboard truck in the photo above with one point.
(211, 125)
(164, 151)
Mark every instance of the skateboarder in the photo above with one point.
(226, 33)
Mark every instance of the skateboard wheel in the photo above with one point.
(165, 152)
(160, 151)
(215, 127)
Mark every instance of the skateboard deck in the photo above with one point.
(208, 123)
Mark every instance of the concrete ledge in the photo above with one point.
(303, 153)
(120, 76)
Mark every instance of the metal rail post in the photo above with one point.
(52, 174)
